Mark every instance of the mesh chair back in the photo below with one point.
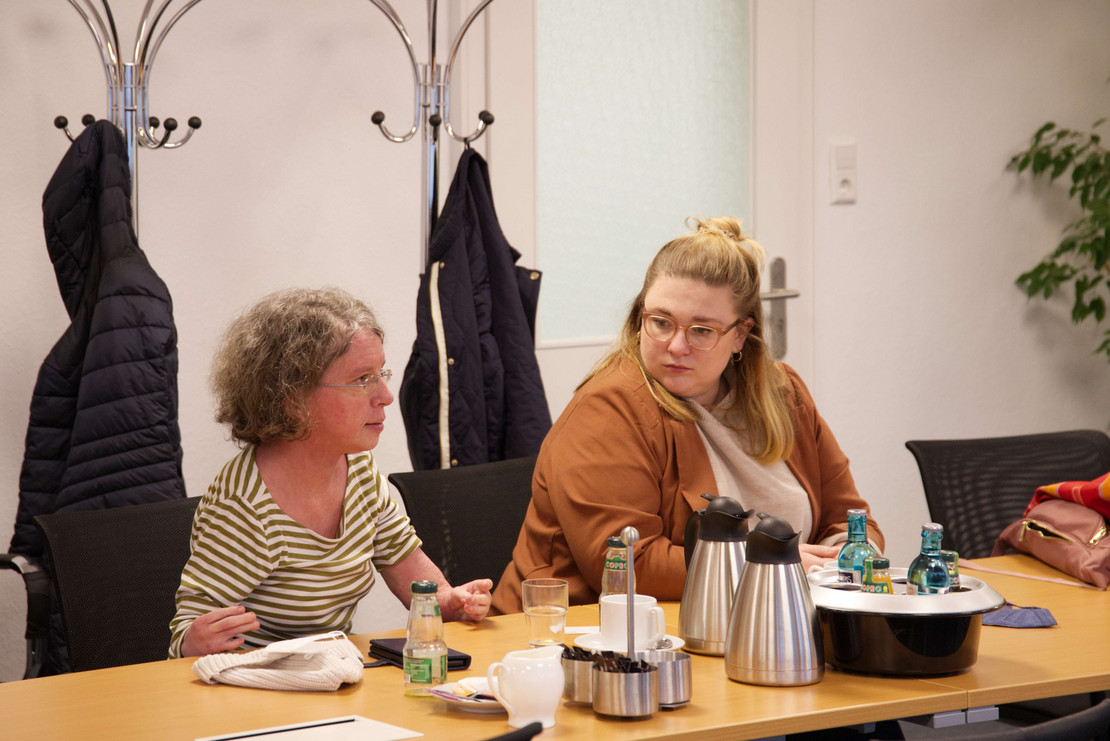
(469, 517)
(976, 487)
(116, 571)
(1085, 725)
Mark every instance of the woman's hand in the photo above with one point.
(469, 601)
(218, 631)
(816, 556)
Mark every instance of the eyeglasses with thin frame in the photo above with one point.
(366, 383)
(698, 336)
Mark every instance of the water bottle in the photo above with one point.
(425, 653)
(614, 578)
(951, 560)
(856, 550)
(928, 574)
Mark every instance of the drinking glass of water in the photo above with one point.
(545, 608)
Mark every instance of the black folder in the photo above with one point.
(390, 649)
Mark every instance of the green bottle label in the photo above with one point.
(428, 670)
(616, 563)
(419, 671)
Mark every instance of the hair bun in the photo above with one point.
(727, 226)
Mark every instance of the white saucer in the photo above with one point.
(469, 704)
(595, 642)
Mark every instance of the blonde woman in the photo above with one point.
(690, 401)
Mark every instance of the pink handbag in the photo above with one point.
(1064, 534)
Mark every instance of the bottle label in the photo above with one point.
(418, 671)
(429, 670)
(616, 564)
(850, 576)
(882, 587)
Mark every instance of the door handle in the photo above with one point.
(777, 296)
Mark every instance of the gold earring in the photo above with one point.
(737, 355)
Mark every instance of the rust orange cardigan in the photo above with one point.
(614, 458)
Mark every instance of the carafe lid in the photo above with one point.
(773, 541)
(724, 520)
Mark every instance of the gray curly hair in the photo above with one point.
(274, 354)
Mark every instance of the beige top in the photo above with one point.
(770, 488)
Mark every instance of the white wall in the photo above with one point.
(918, 329)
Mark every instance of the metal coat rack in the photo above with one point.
(431, 107)
(129, 97)
(128, 83)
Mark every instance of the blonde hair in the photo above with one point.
(273, 355)
(717, 253)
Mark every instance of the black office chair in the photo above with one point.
(1092, 724)
(468, 517)
(116, 571)
(37, 583)
(976, 487)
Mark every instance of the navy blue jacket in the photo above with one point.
(485, 313)
(103, 428)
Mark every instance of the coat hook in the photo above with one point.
(169, 126)
(128, 95)
(61, 122)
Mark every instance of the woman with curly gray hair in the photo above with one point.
(293, 531)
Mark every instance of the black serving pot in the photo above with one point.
(900, 634)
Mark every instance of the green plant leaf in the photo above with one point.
(1081, 259)
(1098, 307)
(1041, 159)
(1079, 173)
(1043, 130)
(1067, 244)
(1104, 348)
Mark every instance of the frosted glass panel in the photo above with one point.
(642, 120)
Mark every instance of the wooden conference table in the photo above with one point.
(164, 700)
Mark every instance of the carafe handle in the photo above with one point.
(691, 537)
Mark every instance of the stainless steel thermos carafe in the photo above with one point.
(774, 637)
(715, 541)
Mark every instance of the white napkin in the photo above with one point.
(319, 662)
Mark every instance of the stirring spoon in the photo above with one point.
(631, 536)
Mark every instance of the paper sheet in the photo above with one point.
(581, 629)
(346, 728)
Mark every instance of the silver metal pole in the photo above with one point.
(131, 137)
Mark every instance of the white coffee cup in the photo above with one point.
(649, 624)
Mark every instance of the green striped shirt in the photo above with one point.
(246, 550)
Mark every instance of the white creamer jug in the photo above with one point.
(529, 684)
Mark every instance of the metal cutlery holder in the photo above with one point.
(625, 694)
(578, 682)
(674, 676)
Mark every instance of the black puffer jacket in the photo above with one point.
(103, 426)
(484, 310)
